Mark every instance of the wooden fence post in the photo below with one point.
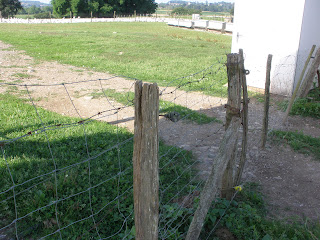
(298, 86)
(233, 110)
(228, 145)
(245, 123)
(145, 161)
(308, 80)
(266, 104)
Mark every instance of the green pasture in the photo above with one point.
(151, 52)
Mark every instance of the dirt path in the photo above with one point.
(290, 181)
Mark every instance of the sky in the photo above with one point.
(164, 1)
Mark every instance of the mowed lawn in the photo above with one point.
(151, 52)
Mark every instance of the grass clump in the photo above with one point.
(87, 165)
(306, 107)
(299, 142)
(164, 106)
(245, 218)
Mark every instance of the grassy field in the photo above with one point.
(150, 52)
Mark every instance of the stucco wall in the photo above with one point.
(269, 27)
(310, 34)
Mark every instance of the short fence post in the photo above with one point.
(207, 25)
(266, 104)
(192, 24)
(233, 110)
(223, 28)
(145, 161)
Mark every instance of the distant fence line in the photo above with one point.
(201, 24)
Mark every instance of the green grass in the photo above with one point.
(299, 142)
(30, 157)
(164, 106)
(244, 218)
(306, 107)
(151, 52)
(22, 75)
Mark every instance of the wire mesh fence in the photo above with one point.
(71, 177)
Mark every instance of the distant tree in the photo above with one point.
(102, 7)
(33, 10)
(61, 7)
(43, 15)
(232, 10)
(9, 7)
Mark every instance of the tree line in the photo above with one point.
(212, 7)
(102, 8)
(82, 8)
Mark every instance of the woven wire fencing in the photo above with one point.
(71, 177)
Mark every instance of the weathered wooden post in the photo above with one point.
(298, 85)
(145, 161)
(233, 110)
(266, 104)
(226, 151)
(308, 80)
(245, 120)
(228, 145)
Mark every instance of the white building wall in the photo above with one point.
(269, 27)
(310, 34)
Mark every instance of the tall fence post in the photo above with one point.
(233, 110)
(266, 104)
(308, 80)
(298, 86)
(145, 161)
(226, 152)
(245, 120)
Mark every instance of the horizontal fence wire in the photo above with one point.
(78, 173)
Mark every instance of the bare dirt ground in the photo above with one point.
(290, 181)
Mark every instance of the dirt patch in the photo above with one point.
(289, 180)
